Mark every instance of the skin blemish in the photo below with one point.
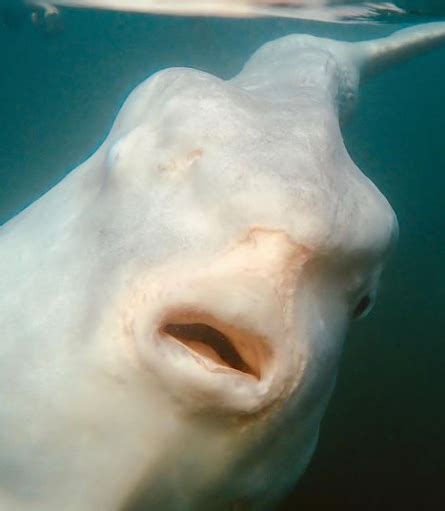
(181, 163)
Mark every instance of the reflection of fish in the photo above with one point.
(172, 313)
(45, 15)
(325, 10)
(14, 14)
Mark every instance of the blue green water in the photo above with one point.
(382, 442)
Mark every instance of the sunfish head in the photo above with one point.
(254, 240)
(190, 286)
(248, 229)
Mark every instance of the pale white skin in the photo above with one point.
(233, 204)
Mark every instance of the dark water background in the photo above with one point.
(382, 442)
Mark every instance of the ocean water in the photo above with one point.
(382, 442)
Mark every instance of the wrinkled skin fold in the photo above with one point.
(173, 312)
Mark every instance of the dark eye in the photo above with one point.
(363, 306)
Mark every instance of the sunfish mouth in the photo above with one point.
(219, 346)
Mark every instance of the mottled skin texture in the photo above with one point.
(233, 204)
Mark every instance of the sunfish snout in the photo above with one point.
(228, 324)
(252, 280)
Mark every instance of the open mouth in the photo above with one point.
(227, 347)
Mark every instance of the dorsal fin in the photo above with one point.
(379, 54)
(335, 68)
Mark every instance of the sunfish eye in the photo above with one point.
(362, 308)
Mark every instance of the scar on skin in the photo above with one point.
(290, 256)
(294, 250)
(182, 162)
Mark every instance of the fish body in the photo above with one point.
(173, 311)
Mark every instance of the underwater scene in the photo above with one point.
(212, 250)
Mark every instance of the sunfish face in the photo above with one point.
(253, 239)
(242, 240)
(193, 290)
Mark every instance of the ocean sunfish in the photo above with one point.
(173, 312)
